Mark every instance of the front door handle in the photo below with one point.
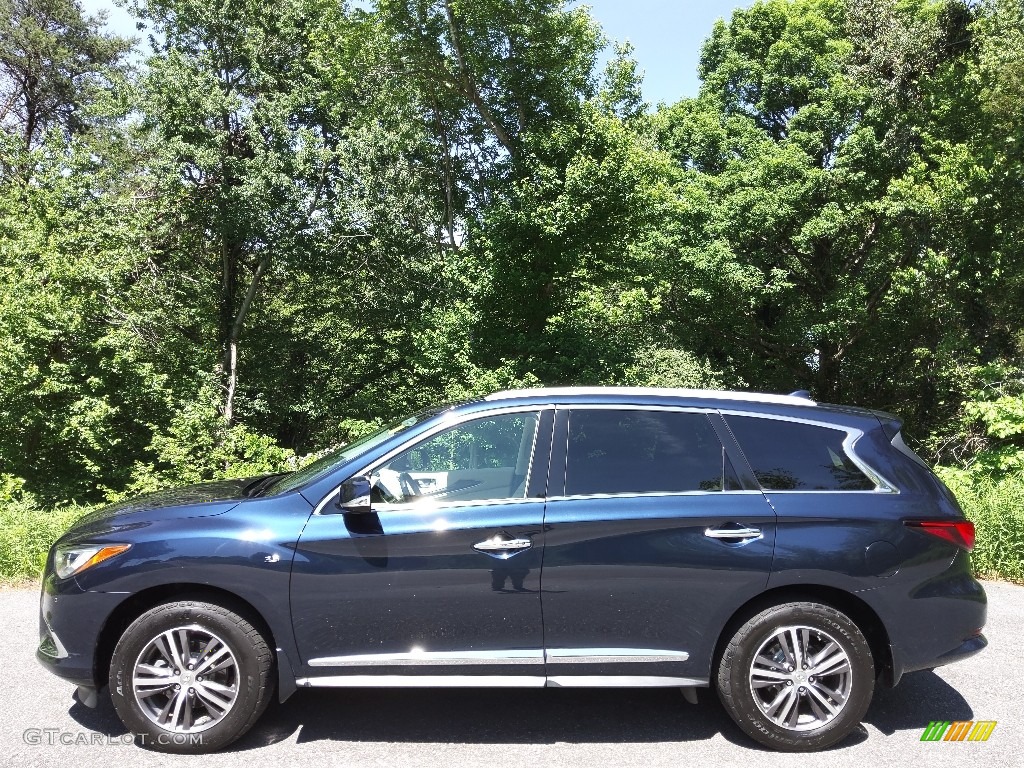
(739, 532)
(502, 546)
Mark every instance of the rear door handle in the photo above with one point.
(739, 532)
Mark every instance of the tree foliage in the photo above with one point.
(293, 220)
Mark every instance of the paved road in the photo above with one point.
(508, 728)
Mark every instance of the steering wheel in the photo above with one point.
(409, 486)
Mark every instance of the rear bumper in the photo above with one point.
(940, 623)
(966, 649)
(969, 647)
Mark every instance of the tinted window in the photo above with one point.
(644, 452)
(789, 456)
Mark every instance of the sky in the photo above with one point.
(667, 36)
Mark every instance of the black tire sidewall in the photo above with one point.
(734, 686)
(231, 628)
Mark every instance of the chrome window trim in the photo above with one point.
(652, 494)
(882, 485)
(427, 506)
(449, 420)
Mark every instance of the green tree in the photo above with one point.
(53, 63)
(806, 167)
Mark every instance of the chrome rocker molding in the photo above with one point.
(423, 681)
(528, 657)
(500, 681)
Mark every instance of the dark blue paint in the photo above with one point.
(410, 578)
(629, 572)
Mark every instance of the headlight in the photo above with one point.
(75, 558)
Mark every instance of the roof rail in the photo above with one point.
(708, 394)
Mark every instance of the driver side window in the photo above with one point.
(475, 461)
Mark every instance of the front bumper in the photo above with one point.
(70, 625)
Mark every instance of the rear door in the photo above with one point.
(653, 538)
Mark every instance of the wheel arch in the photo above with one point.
(862, 614)
(140, 602)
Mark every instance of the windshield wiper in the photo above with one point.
(260, 484)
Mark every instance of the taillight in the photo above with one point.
(958, 532)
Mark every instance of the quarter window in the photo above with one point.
(636, 451)
(792, 456)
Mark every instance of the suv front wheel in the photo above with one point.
(797, 677)
(190, 676)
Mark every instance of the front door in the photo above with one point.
(440, 582)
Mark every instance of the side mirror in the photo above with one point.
(354, 496)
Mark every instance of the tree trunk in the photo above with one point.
(234, 334)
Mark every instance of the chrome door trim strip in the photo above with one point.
(417, 658)
(624, 681)
(423, 681)
(612, 655)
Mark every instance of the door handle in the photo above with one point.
(502, 545)
(739, 532)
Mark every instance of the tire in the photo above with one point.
(802, 711)
(218, 698)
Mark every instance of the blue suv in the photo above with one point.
(789, 554)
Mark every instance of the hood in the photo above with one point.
(201, 500)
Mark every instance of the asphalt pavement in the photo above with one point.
(41, 725)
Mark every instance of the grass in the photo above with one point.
(997, 510)
(26, 533)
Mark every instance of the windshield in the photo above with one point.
(299, 478)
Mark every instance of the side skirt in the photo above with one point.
(499, 681)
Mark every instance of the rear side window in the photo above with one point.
(790, 456)
(634, 451)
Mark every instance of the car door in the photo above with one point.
(654, 537)
(439, 582)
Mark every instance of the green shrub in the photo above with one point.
(27, 530)
(197, 446)
(996, 507)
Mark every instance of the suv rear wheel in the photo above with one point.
(797, 677)
(190, 676)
